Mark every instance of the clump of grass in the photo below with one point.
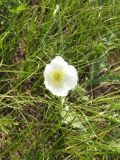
(86, 34)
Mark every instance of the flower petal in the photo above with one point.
(71, 77)
(58, 91)
(47, 70)
(58, 63)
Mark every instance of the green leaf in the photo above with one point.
(6, 124)
(19, 9)
(71, 117)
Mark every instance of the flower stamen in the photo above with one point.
(57, 77)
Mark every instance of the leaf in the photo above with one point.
(6, 124)
(19, 9)
(71, 117)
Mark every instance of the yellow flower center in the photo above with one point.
(57, 76)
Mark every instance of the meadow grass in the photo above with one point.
(86, 33)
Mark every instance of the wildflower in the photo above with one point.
(60, 77)
(56, 10)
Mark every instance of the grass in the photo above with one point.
(34, 124)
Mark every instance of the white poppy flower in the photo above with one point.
(60, 77)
